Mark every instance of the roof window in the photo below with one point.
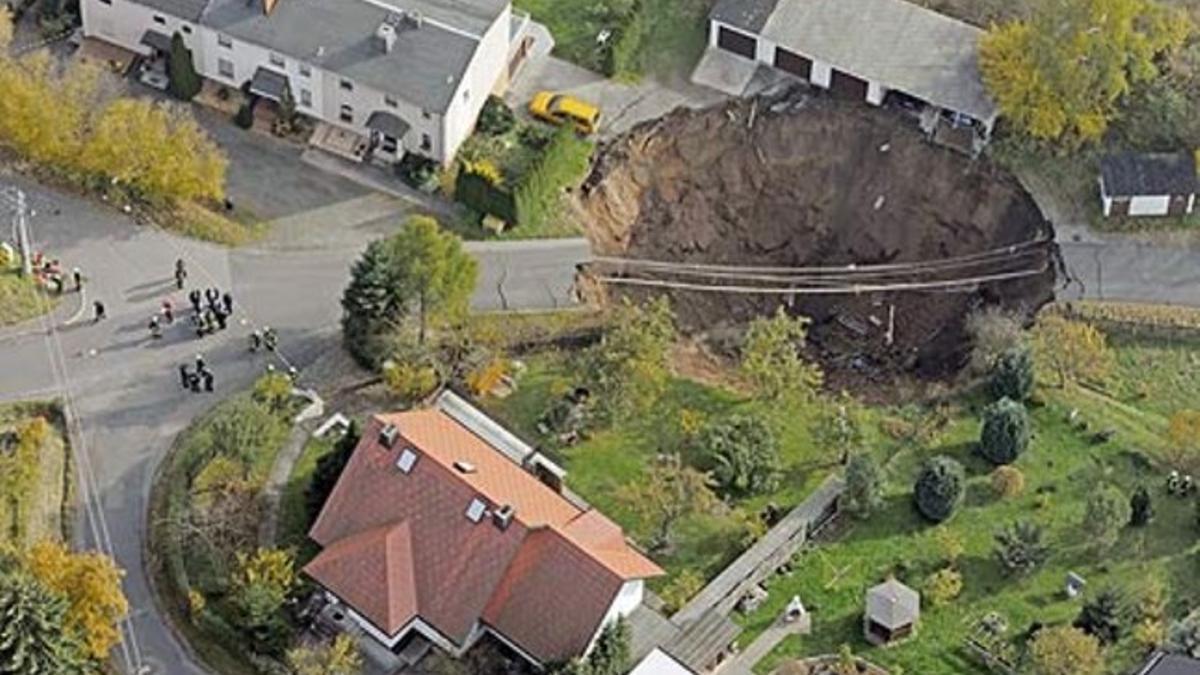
(476, 510)
(406, 461)
(464, 467)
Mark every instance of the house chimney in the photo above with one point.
(269, 6)
(385, 35)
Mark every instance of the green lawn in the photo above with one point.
(1062, 463)
(674, 38)
(293, 516)
(20, 298)
(611, 458)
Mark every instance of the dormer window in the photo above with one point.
(406, 461)
(476, 510)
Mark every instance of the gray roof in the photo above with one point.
(1170, 664)
(473, 16)
(750, 15)
(189, 10)
(157, 40)
(423, 67)
(1151, 174)
(898, 44)
(893, 605)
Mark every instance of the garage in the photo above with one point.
(738, 43)
(791, 62)
(844, 85)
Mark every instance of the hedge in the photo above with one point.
(624, 56)
(535, 197)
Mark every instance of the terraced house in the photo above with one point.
(403, 75)
(445, 528)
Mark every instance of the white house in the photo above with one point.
(1154, 184)
(864, 49)
(406, 75)
(445, 527)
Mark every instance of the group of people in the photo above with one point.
(1180, 486)
(192, 380)
(49, 272)
(211, 310)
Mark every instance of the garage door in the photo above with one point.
(847, 86)
(793, 63)
(1120, 206)
(738, 43)
(1178, 206)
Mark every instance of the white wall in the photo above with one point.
(1107, 204)
(487, 66)
(123, 23)
(1149, 206)
(626, 600)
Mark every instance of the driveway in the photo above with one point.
(623, 105)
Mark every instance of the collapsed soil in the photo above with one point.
(801, 181)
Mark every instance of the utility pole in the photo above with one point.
(23, 235)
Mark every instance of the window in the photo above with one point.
(277, 60)
(390, 102)
(346, 85)
(160, 20)
(306, 98)
(389, 144)
(347, 114)
(225, 41)
(186, 29)
(305, 71)
(475, 510)
(406, 461)
(225, 68)
(426, 142)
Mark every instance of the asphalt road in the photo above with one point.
(124, 390)
(123, 386)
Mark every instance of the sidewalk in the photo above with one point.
(69, 311)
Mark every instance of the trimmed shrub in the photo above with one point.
(939, 488)
(1020, 547)
(1012, 375)
(1005, 433)
(943, 586)
(184, 82)
(743, 453)
(1106, 513)
(1008, 481)
(479, 194)
(1104, 617)
(864, 485)
(496, 118)
(244, 117)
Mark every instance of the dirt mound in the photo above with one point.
(802, 181)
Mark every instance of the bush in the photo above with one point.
(184, 83)
(418, 172)
(943, 586)
(1008, 481)
(480, 194)
(244, 117)
(939, 488)
(1012, 375)
(1005, 433)
(1063, 650)
(625, 50)
(562, 164)
(1104, 617)
(1020, 548)
(993, 332)
(328, 470)
(496, 118)
(864, 485)
(1141, 508)
(1106, 513)
(681, 589)
(743, 454)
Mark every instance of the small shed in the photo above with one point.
(892, 613)
(1149, 184)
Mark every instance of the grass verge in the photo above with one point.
(21, 299)
(293, 513)
(46, 511)
(198, 222)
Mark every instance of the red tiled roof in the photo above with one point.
(544, 583)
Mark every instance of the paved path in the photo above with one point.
(123, 387)
(744, 662)
(1134, 269)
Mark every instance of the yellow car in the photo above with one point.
(564, 109)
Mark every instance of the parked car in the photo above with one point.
(565, 109)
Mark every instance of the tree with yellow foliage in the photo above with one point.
(1064, 650)
(1058, 74)
(91, 584)
(340, 657)
(156, 149)
(1072, 350)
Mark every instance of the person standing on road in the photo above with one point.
(270, 339)
(77, 277)
(208, 380)
(168, 311)
(201, 366)
(194, 298)
(219, 315)
(155, 328)
(98, 311)
(185, 377)
(255, 340)
(227, 300)
(180, 273)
